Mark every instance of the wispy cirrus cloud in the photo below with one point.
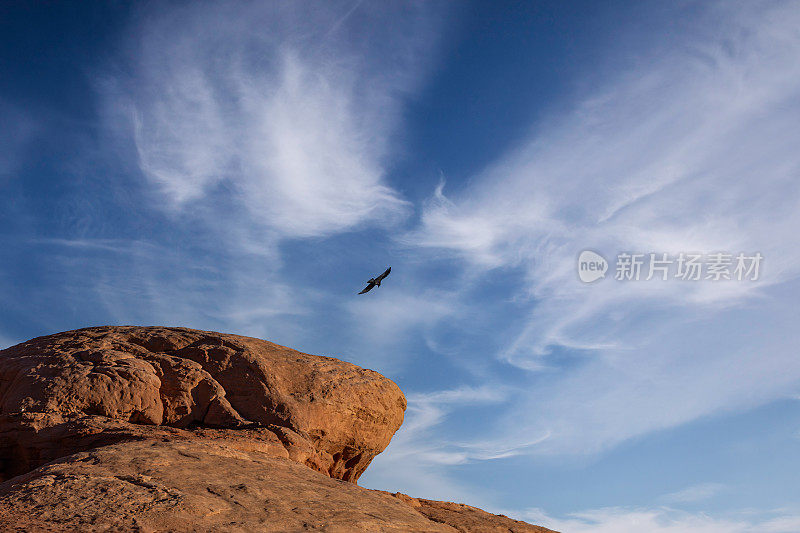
(382, 323)
(143, 282)
(248, 127)
(663, 520)
(690, 149)
(283, 110)
(695, 493)
(416, 458)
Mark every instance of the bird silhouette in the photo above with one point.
(376, 282)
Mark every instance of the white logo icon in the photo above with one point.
(591, 266)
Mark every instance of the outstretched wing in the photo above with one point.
(386, 273)
(367, 288)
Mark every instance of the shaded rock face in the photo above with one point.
(76, 390)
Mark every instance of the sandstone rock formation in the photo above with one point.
(154, 429)
(98, 385)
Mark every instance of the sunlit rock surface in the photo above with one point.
(173, 429)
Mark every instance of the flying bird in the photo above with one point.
(376, 281)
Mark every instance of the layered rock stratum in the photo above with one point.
(172, 429)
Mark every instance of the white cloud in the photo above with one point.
(414, 461)
(382, 322)
(428, 409)
(253, 124)
(659, 520)
(695, 493)
(141, 282)
(285, 110)
(694, 149)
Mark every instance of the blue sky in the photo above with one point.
(245, 167)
